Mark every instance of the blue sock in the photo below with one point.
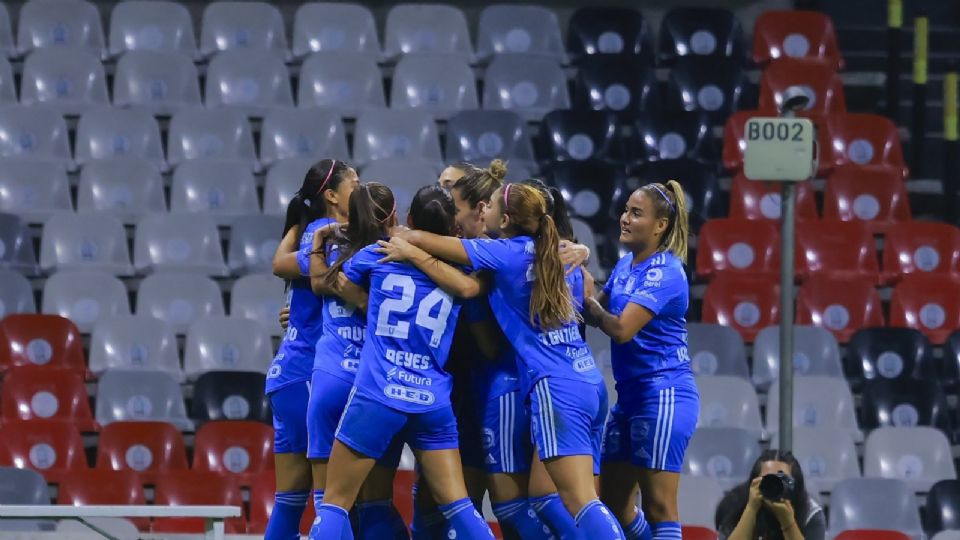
(379, 520)
(284, 521)
(465, 521)
(332, 523)
(639, 529)
(596, 522)
(552, 512)
(517, 517)
(666, 530)
(317, 500)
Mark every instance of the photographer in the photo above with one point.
(774, 505)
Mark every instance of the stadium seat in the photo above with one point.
(112, 133)
(699, 183)
(123, 188)
(700, 32)
(231, 395)
(479, 136)
(920, 247)
(395, 134)
(8, 85)
(819, 82)
(49, 23)
(302, 133)
(942, 535)
(623, 84)
(905, 403)
(528, 84)
(252, 81)
(404, 176)
(941, 510)
(872, 534)
(692, 532)
(179, 299)
(697, 500)
(16, 241)
(65, 80)
(729, 402)
(735, 142)
(841, 305)
(818, 402)
(864, 140)
(440, 84)
(125, 395)
(948, 370)
(283, 180)
(151, 449)
(716, 350)
(34, 134)
(221, 190)
(348, 83)
(876, 197)
(210, 134)
(253, 242)
(717, 86)
(151, 26)
(795, 34)
(40, 340)
(226, 344)
(733, 245)
(920, 456)
(897, 354)
(52, 449)
(840, 249)
(673, 135)
(159, 82)
(34, 190)
(241, 25)
(590, 188)
(335, 27)
(754, 200)
(237, 447)
(258, 297)
(745, 303)
(579, 134)
(72, 241)
(609, 30)
(85, 297)
(815, 352)
(178, 242)
(927, 302)
(7, 47)
(23, 486)
(103, 487)
(427, 28)
(519, 29)
(132, 343)
(16, 295)
(827, 456)
(262, 499)
(43, 393)
(724, 454)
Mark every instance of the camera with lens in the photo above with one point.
(777, 486)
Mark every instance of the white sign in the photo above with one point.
(779, 149)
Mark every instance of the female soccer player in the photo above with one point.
(322, 199)
(533, 304)
(401, 388)
(454, 172)
(646, 298)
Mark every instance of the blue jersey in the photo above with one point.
(498, 376)
(338, 350)
(411, 323)
(559, 352)
(658, 284)
(294, 359)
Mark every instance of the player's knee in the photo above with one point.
(658, 509)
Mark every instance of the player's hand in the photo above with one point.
(396, 250)
(573, 255)
(284, 317)
(589, 284)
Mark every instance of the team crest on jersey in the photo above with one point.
(488, 438)
(274, 371)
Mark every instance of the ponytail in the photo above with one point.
(677, 234)
(372, 209)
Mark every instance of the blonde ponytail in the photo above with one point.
(678, 234)
(550, 301)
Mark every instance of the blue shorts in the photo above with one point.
(652, 424)
(370, 427)
(506, 435)
(289, 406)
(567, 417)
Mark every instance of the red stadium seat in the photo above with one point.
(872, 534)
(841, 306)
(178, 488)
(818, 81)
(735, 141)
(94, 486)
(50, 448)
(837, 248)
(796, 34)
(44, 340)
(691, 532)
(239, 447)
(921, 247)
(864, 140)
(754, 200)
(403, 493)
(877, 197)
(733, 245)
(41, 393)
(929, 303)
(152, 449)
(746, 303)
(261, 505)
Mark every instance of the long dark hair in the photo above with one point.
(735, 502)
(556, 207)
(433, 210)
(308, 204)
(371, 208)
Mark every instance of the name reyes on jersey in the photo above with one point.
(408, 359)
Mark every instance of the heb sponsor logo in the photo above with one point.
(584, 364)
(350, 364)
(410, 395)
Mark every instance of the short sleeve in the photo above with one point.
(660, 285)
(485, 254)
(303, 259)
(358, 268)
(816, 526)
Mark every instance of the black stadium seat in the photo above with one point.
(230, 395)
(943, 507)
(700, 32)
(717, 86)
(578, 135)
(625, 84)
(609, 30)
(673, 135)
(887, 353)
(905, 403)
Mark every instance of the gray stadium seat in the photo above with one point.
(585, 236)
(253, 242)
(210, 134)
(282, 182)
(348, 83)
(35, 190)
(221, 190)
(16, 245)
(697, 500)
(258, 297)
(159, 82)
(395, 134)
(151, 26)
(919, 455)
(404, 176)
(23, 486)
(241, 25)
(16, 295)
(179, 299)
(716, 350)
(302, 133)
(827, 456)
(114, 133)
(124, 188)
(724, 454)
(727, 401)
(189, 242)
(599, 344)
(528, 84)
(134, 343)
(52, 23)
(226, 344)
(427, 28)
(947, 535)
(817, 402)
(85, 241)
(440, 84)
(85, 297)
(815, 352)
(8, 85)
(253, 81)
(874, 503)
(335, 27)
(34, 134)
(479, 136)
(66, 80)
(524, 29)
(140, 395)
(7, 46)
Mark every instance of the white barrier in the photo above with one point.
(214, 515)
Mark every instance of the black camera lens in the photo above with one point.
(776, 486)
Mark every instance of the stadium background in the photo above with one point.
(141, 235)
